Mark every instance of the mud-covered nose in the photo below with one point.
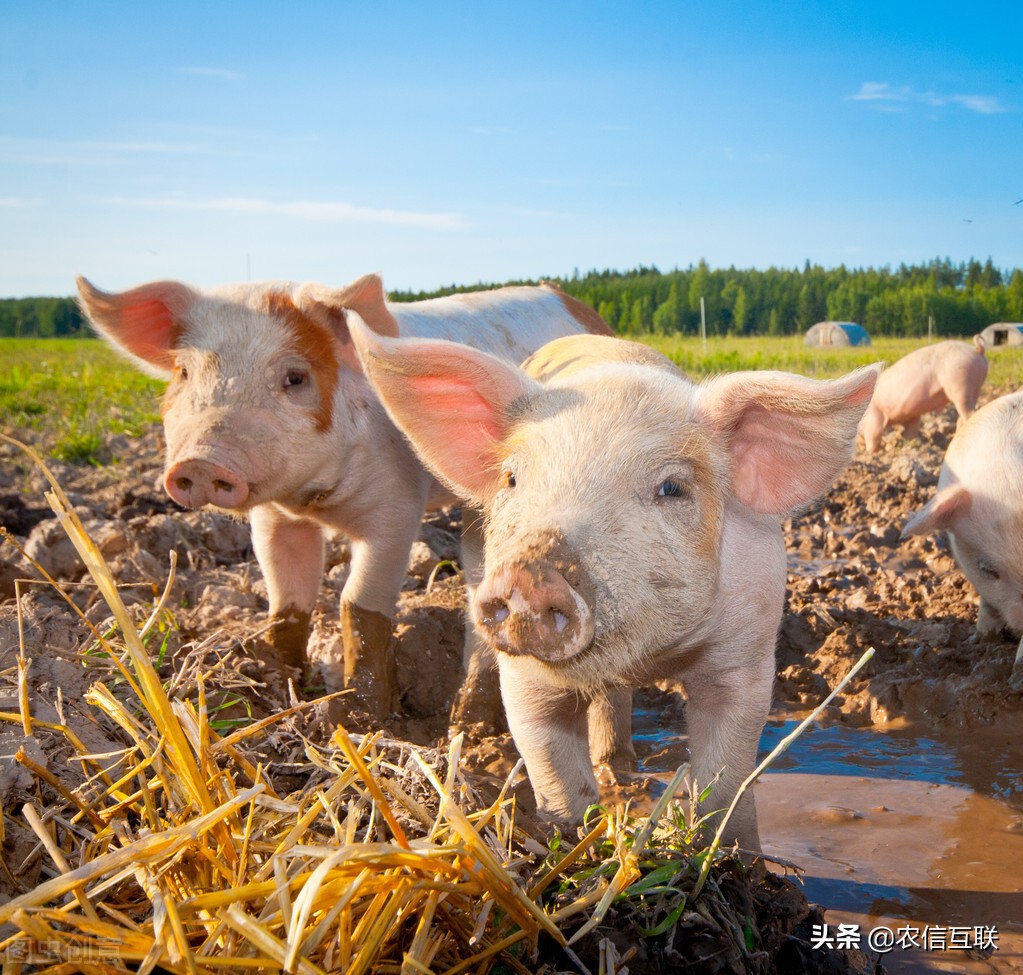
(532, 609)
(193, 483)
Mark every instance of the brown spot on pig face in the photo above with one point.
(314, 344)
(618, 471)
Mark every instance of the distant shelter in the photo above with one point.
(836, 333)
(1002, 334)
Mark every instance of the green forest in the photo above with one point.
(961, 299)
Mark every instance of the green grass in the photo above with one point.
(69, 394)
(789, 354)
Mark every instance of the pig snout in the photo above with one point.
(193, 483)
(532, 609)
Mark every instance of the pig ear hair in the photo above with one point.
(330, 307)
(144, 322)
(454, 403)
(789, 436)
(941, 512)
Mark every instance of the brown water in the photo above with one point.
(896, 829)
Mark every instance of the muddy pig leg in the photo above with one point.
(609, 719)
(549, 727)
(725, 715)
(478, 701)
(290, 553)
(379, 565)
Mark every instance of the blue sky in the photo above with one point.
(453, 142)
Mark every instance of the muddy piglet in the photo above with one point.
(979, 502)
(923, 381)
(267, 414)
(632, 534)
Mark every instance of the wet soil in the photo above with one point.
(853, 584)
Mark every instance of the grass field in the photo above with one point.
(69, 394)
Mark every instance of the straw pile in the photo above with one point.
(182, 852)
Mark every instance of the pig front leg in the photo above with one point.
(379, 565)
(871, 427)
(725, 715)
(549, 726)
(911, 430)
(478, 702)
(609, 720)
(290, 553)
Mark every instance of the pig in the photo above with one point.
(925, 380)
(979, 502)
(632, 534)
(267, 413)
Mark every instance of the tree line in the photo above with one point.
(961, 299)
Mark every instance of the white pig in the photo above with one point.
(979, 502)
(925, 380)
(632, 532)
(267, 413)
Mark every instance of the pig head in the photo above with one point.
(979, 502)
(632, 532)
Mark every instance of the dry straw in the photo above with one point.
(179, 852)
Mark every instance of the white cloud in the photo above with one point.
(225, 74)
(300, 209)
(887, 98)
(84, 152)
(16, 202)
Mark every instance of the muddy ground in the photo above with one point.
(852, 584)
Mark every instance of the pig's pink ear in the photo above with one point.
(330, 307)
(941, 512)
(454, 403)
(144, 322)
(789, 436)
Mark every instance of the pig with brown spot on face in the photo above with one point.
(633, 533)
(267, 413)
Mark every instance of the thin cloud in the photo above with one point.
(16, 202)
(885, 97)
(224, 74)
(85, 152)
(300, 210)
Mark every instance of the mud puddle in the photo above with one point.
(893, 828)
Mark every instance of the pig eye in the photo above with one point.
(508, 479)
(295, 377)
(989, 570)
(673, 489)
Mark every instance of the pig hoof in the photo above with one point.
(477, 705)
(288, 635)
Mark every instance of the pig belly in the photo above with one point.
(915, 403)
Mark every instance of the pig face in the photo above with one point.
(254, 372)
(985, 526)
(603, 538)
